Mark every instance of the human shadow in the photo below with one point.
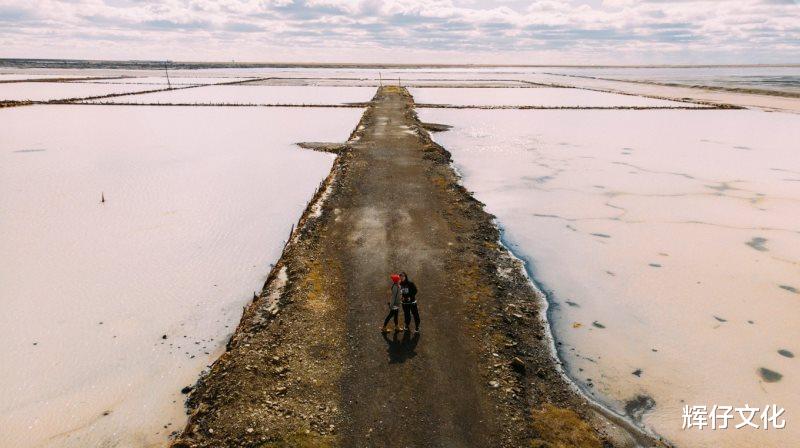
(401, 349)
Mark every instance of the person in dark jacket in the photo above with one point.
(408, 290)
(394, 304)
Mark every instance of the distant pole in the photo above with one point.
(380, 78)
(169, 84)
(102, 198)
(398, 82)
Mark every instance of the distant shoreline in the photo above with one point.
(144, 64)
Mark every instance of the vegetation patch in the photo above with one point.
(562, 428)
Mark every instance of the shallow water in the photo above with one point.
(198, 204)
(669, 242)
(243, 94)
(776, 79)
(542, 96)
(25, 76)
(782, 79)
(45, 91)
(173, 80)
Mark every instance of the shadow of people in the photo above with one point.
(402, 348)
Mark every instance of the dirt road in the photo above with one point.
(407, 390)
(308, 365)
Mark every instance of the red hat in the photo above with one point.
(395, 278)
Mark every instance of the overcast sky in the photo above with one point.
(407, 31)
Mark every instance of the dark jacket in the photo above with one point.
(409, 291)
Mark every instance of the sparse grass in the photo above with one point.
(314, 282)
(562, 428)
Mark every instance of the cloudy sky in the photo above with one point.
(410, 31)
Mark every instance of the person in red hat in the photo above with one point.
(394, 304)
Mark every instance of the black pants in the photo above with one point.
(408, 310)
(392, 313)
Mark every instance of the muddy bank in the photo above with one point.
(307, 365)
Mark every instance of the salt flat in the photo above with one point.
(46, 91)
(543, 96)
(24, 76)
(109, 309)
(244, 94)
(174, 80)
(669, 241)
(749, 100)
(773, 78)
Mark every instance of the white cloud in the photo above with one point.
(548, 31)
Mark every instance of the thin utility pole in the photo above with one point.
(380, 78)
(169, 84)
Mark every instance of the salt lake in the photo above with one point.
(669, 245)
(110, 308)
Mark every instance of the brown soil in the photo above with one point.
(313, 369)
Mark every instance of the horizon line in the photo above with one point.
(47, 63)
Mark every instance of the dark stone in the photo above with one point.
(769, 376)
(187, 389)
(636, 407)
(757, 243)
(786, 353)
(518, 365)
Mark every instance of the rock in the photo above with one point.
(769, 376)
(249, 430)
(164, 337)
(494, 384)
(518, 365)
(187, 389)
